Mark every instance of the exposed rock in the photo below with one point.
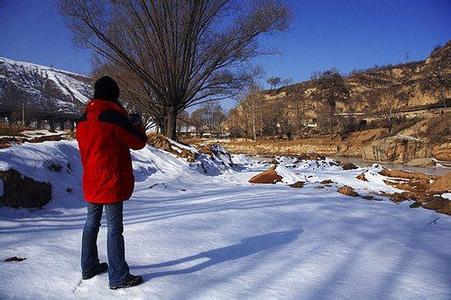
(398, 197)
(413, 185)
(421, 162)
(15, 259)
(368, 197)
(439, 204)
(415, 205)
(22, 191)
(268, 176)
(441, 185)
(311, 156)
(298, 184)
(418, 187)
(404, 174)
(442, 152)
(396, 149)
(348, 191)
(349, 166)
(327, 181)
(362, 177)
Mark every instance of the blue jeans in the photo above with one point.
(117, 267)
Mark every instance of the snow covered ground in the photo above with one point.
(194, 236)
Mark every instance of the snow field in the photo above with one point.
(194, 236)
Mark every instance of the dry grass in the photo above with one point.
(8, 130)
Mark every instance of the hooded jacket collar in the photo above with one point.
(100, 104)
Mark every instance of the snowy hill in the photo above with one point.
(42, 89)
(196, 236)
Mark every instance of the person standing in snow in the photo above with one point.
(105, 135)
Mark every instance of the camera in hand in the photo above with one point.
(135, 119)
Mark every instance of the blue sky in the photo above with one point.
(345, 34)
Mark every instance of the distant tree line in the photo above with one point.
(328, 104)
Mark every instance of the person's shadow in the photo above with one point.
(245, 248)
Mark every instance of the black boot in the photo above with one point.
(101, 268)
(130, 280)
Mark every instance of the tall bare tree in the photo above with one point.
(438, 73)
(183, 51)
(386, 105)
(330, 89)
(274, 82)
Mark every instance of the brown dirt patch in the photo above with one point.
(348, 191)
(298, 184)
(266, 177)
(206, 150)
(442, 152)
(413, 185)
(398, 197)
(361, 176)
(310, 156)
(349, 166)
(439, 204)
(327, 181)
(404, 174)
(441, 184)
(57, 137)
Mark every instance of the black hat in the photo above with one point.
(107, 89)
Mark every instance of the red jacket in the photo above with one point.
(104, 136)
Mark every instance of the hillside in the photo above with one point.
(42, 89)
(392, 113)
(412, 79)
(416, 89)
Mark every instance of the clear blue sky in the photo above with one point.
(345, 34)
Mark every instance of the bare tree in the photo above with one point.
(254, 99)
(287, 81)
(181, 50)
(330, 89)
(437, 73)
(214, 117)
(386, 105)
(274, 82)
(198, 121)
(183, 121)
